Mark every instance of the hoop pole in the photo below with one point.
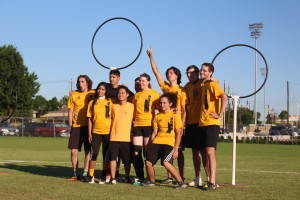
(235, 102)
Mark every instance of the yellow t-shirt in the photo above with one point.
(122, 116)
(145, 103)
(78, 102)
(210, 101)
(180, 91)
(101, 115)
(166, 123)
(194, 97)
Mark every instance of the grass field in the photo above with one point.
(36, 168)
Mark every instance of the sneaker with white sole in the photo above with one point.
(149, 184)
(107, 178)
(92, 180)
(181, 185)
(101, 181)
(196, 182)
(113, 181)
(138, 181)
(167, 181)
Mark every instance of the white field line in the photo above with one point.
(221, 169)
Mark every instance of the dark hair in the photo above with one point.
(177, 72)
(136, 79)
(87, 79)
(123, 87)
(115, 72)
(147, 77)
(210, 67)
(95, 96)
(196, 69)
(172, 98)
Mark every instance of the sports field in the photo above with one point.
(37, 168)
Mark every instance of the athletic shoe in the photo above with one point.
(107, 178)
(124, 180)
(92, 180)
(210, 186)
(101, 181)
(84, 179)
(148, 184)
(196, 182)
(167, 181)
(73, 178)
(138, 181)
(181, 185)
(113, 181)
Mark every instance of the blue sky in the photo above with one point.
(54, 38)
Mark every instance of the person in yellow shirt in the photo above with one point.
(145, 102)
(120, 136)
(165, 140)
(77, 108)
(212, 106)
(174, 77)
(99, 117)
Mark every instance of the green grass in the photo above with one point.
(36, 168)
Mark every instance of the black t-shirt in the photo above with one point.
(113, 93)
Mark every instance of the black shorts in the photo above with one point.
(159, 151)
(191, 137)
(145, 131)
(97, 139)
(78, 136)
(119, 148)
(209, 136)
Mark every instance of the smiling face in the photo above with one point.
(165, 104)
(122, 95)
(101, 91)
(144, 83)
(205, 73)
(114, 80)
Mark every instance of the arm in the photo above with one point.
(70, 116)
(178, 133)
(214, 80)
(224, 99)
(159, 77)
(183, 115)
(90, 125)
(154, 133)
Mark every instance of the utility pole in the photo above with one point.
(288, 103)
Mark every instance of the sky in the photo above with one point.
(54, 38)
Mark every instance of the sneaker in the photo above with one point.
(138, 181)
(167, 181)
(210, 186)
(148, 184)
(181, 185)
(84, 178)
(107, 178)
(73, 178)
(196, 182)
(92, 180)
(113, 181)
(124, 180)
(101, 181)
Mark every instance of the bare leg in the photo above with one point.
(87, 160)
(113, 165)
(205, 162)
(150, 171)
(212, 163)
(74, 159)
(173, 171)
(180, 162)
(196, 161)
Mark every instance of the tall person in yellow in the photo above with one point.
(145, 102)
(174, 77)
(165, 140)
(78, 121)
(120, 136)
(99, 115)
(212, 106)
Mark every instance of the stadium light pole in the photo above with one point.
(255, 33)
(263, 73)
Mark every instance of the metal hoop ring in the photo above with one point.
(244, 45)
(92, 45)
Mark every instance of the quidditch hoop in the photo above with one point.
(244, 45)
(107, 67)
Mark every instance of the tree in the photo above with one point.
(18, 86)
(283, 114)
(53, 104)
(40, 104)
(64, 100)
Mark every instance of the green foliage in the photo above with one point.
(245, 116)
(283, 114)
(18, 86)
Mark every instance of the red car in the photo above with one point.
(60, 130)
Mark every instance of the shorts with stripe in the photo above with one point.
(145, 131)
(97, 139)
(209, 136)
(155, 152)
(120, 148)
(191, 136)
(78, 136)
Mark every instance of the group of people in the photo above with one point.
(144, 127)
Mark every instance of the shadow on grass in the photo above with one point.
(45, 170)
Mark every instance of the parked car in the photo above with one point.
(7, 129)
(28, 129)
(53, 130)
(280, 133)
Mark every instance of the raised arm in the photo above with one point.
(159, 77)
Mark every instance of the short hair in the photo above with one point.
(196, 69)
(177, 72)
(172, 98)
(115, 72)
(87, 79)
(123, 87)
(210, 67)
